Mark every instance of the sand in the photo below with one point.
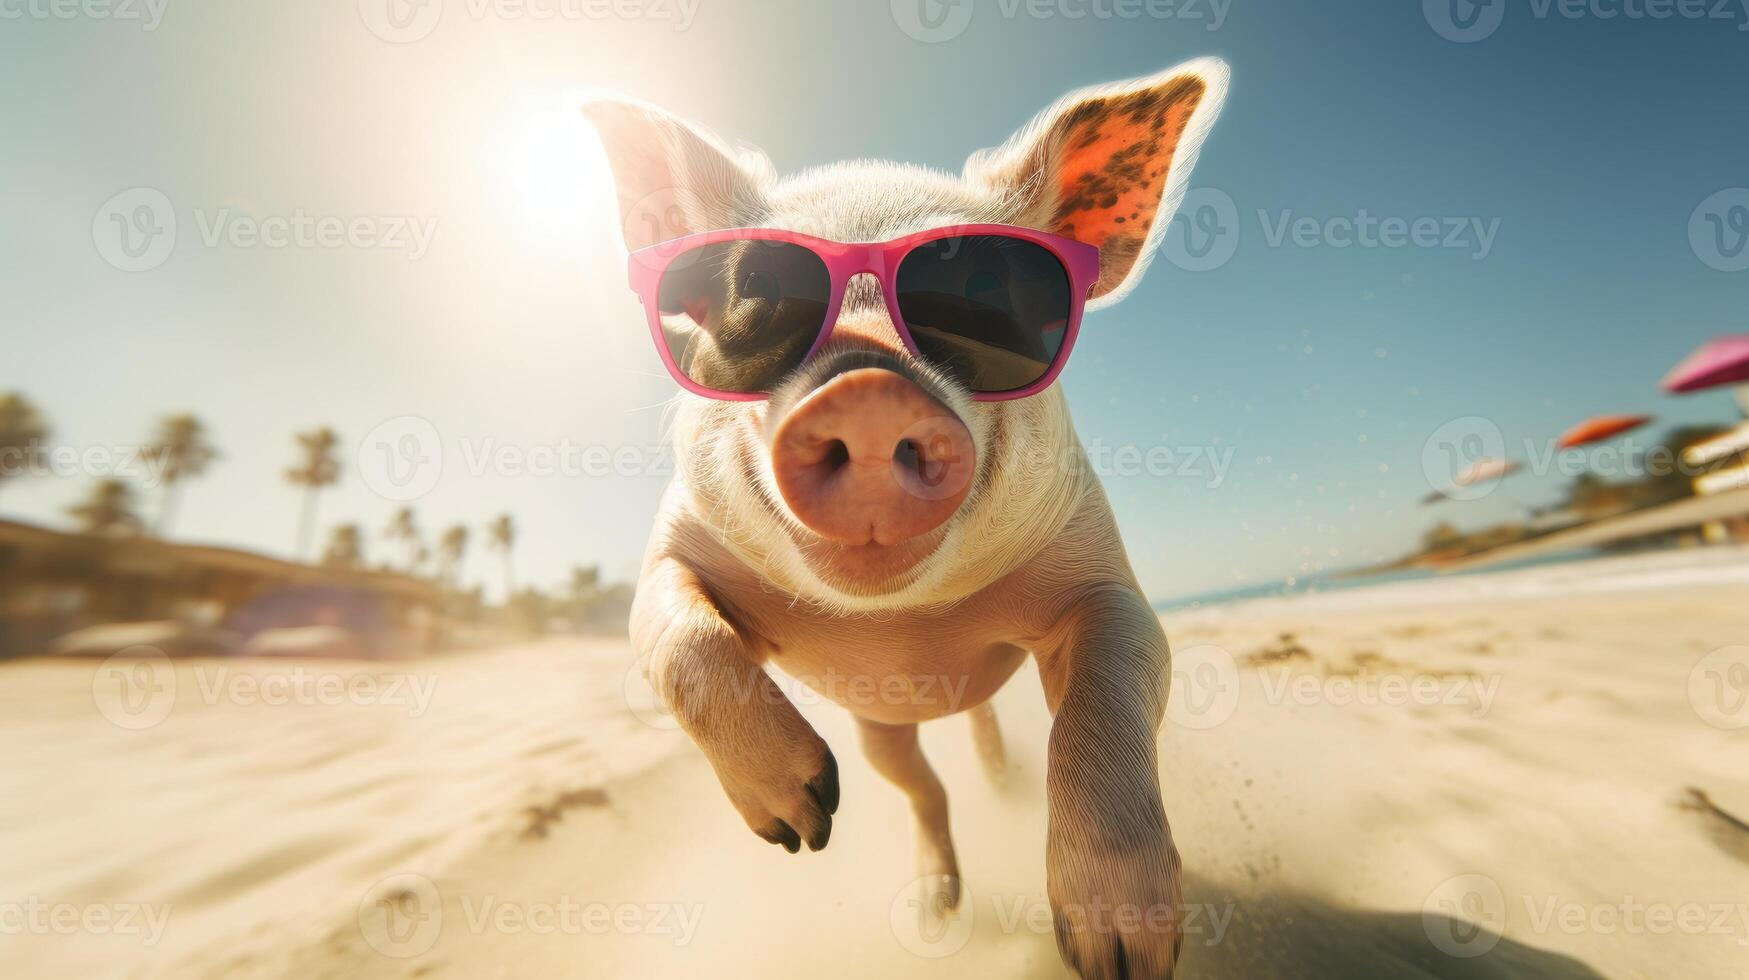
(1530, 773)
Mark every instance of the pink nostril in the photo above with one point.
(871, 457)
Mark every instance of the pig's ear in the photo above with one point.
(1109, 165)
(673, 178)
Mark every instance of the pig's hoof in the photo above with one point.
(802, 813)
(1117, 914)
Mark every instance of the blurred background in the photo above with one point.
(317, 342)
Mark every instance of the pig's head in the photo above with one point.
(870, 479)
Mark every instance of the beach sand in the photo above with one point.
(1527, 773)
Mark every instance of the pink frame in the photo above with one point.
(845, 261)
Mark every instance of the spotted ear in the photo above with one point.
(673, 178)
(1109, 165)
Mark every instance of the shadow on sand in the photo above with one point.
(1288, 935)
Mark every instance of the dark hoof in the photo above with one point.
(824, 786)
(783, 835)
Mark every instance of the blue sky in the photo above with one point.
(1581, 145)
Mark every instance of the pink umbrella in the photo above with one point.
(1720, 361)
(1600, 428)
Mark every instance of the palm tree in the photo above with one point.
(452, 548)
(317, 469)
(501, 537)
(22, 434)
(345, 547)
(404, 528)
(181, 449)
(109, 510)
(585, 590)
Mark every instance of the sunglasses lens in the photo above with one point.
(738, 316)
(990, 310)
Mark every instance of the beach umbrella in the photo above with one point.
(1600, 428)
(1486, 469)
(1719, 362)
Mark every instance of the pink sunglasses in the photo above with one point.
(996, 307)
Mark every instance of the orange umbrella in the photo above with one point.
(1600, 428)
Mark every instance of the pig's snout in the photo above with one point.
(871, 458)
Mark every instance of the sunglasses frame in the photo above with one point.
(845, 261)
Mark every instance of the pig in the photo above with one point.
(769, 550)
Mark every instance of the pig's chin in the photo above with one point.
(868, 569)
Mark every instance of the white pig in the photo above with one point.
(784, 539)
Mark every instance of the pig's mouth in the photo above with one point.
(867, 569)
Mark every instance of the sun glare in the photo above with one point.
(555, 175)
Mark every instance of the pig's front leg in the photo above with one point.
(778, 773)
(1112, 872)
